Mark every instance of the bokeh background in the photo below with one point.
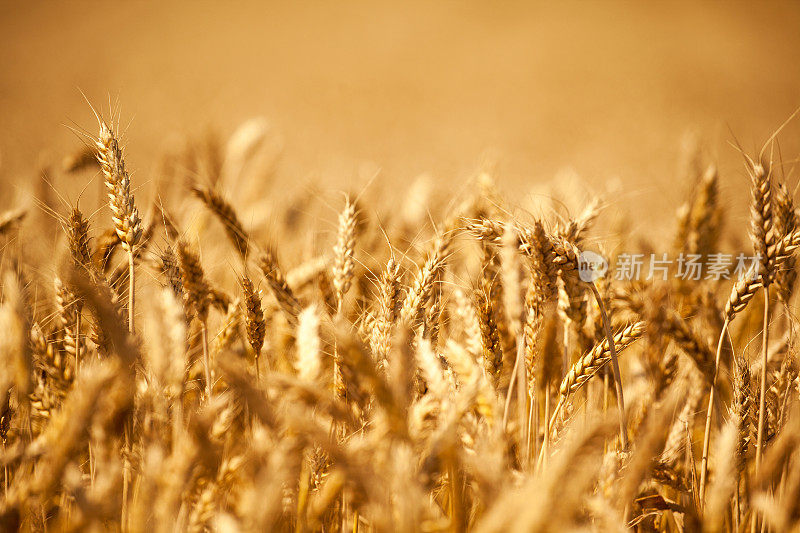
(611, 93)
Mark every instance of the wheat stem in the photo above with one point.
(126, 477)
(511, 383)
(126, 474)
(77, 343)
(548, 423)
(206, 359)
(131, 291)
(709, 412)
(762, 395)
(623, 424)
(302, 494)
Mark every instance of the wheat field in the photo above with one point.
(371, 311)
(427, 363)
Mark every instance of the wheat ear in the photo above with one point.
(279, 286)
(420, 293)
(389, 297)
(343, 253)
(490, 335)
(589, 365)
(124, 213)
(786, 224)
(224, 211)
(78, 239)
(254, 320)
(198, 296)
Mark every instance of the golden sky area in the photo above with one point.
(606, 90)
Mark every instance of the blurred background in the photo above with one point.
(610, 94)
